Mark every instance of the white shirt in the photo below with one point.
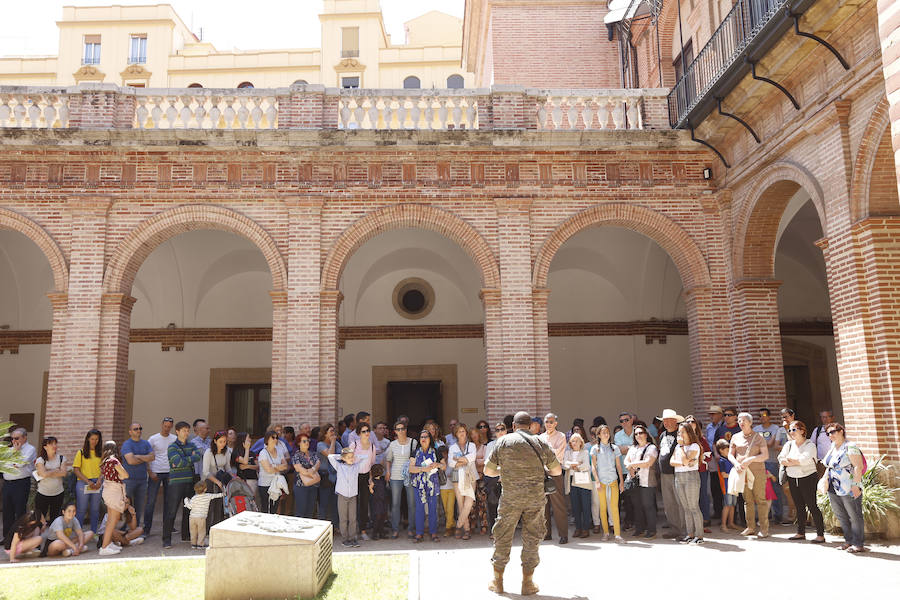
(806, 454)
(213, 463)
(456, 452)
(25, 468)
(680, 456)
(265, 478)
(634, 456)
(160, 445)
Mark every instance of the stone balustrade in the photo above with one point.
(502, 107)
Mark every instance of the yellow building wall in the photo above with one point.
(176, 59)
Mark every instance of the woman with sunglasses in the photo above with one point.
(363, 446)
(306, 464)
(397, 456)
(423, 470)
(843, 478)
(639, 462)
(798, 456)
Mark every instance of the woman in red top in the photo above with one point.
(705, 457)
(113, 474)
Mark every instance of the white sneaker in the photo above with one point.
(116, 544)
(110, 550)
(137, 541)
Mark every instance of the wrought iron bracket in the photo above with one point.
(738, 119)
(813, 36)
(752, 64)
(708, 145)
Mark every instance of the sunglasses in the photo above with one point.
(168, 420)
(18, 437)
(795, 429)
(729, 414)
(362, 431)
(399, 428)
(624, 420)
(499, 428)
(834, 431)
(304, 440)
(137, 428)
(640, 433)
(483, 427)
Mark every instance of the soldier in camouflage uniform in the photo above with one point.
(522, 478)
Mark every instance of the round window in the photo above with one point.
(413, 298)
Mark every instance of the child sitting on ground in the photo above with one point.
(199, 506)
(378, 487)
(729, 500)
(127, 533)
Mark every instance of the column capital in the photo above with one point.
(330, 299)
(490, 296)
(118, 300)
(59, 300)
(757, 284)
(540, 295)
(279, 298)
(696, 291)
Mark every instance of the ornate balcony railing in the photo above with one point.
(726, 50)
(106, 106)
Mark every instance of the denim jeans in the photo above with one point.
(432, 515)
(136, 490)
(848, 511)
(305, 499)
(87, 502)
(397, 488)
(152, 492)
(328, 502)
(780, 499)
(581, 507)
(704, 494)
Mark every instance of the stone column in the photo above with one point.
(493, 355)
(516, 311)
(112, 409)
(539, 297)
(59, 301)
(862, 269)
(302, 349)
(329, 302)
(282, 411)
(75, 409)
(759, 366)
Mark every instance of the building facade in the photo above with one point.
(150, 46)
(295, 254)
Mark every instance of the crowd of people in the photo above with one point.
(379, 481)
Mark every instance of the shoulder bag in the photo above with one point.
(633, 483)
(549, 484)
(309, 480)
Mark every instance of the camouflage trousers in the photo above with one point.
(509, 512)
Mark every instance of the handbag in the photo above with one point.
(309, 480)
(549, 484)
(222, 475)
(782, 471)
(633, 483)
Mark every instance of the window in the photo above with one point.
(683, 60)
(349, 42)
(91, 50)
(245, 84)
(249, 407)
(413, 298)
(456, 82)
(195, 85)
(349, 82)
(300, 82)
(138, 54)
(412, 83)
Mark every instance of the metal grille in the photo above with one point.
(727, 44)
(323, 560)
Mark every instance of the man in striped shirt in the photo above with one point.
(182, 456)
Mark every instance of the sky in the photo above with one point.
(30, 27)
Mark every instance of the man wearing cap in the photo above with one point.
(520, 459)
(158, 471)
(667, 443)
(715, 419)
(536, 426)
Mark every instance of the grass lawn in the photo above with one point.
(355, 576)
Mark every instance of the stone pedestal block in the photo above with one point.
(261, 556)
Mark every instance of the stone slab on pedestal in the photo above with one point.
(262, 556)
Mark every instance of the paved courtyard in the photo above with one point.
(594, 569)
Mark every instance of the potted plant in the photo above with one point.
(879, 500)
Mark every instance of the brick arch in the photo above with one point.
(870, 195)
(757, 224)
(661, 229)
(420, 216)
(37, 234)
(141, 241)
